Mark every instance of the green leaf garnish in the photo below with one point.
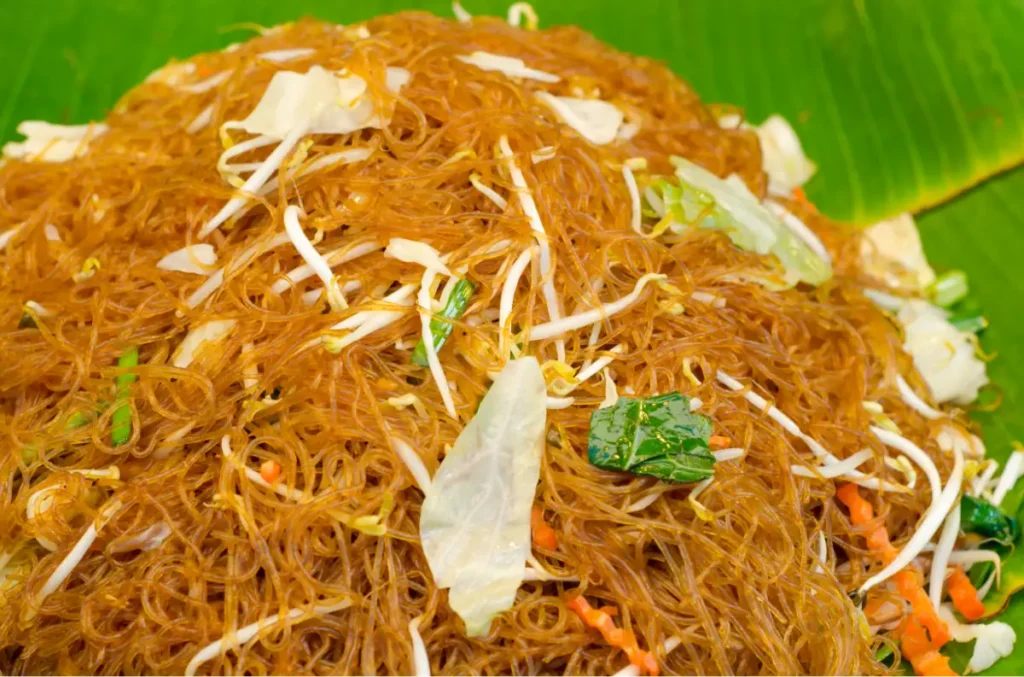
(121, 419)
(978, 516)
(657, 436)
(440, 329)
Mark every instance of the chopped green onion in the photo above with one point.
(884, 652)
(27, 322)
(970, 323)
(121, 419)
(77, 420)
(657, 436)
(440, 329)
(948, 288)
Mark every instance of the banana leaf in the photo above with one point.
(904, 105)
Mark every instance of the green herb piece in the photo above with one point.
(978, 516)
(970, 323)
(77, 420)
(121, 419)
(27, 322)
(884, 652)
(657, 436)
(948, 288)
(441, 329)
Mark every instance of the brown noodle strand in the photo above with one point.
(744, 590)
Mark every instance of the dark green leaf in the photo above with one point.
(458, 300)
(656, 436)
(121, 419)
(1012, 580)
(978, 516)
(26, 322)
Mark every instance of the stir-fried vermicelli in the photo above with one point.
(225, 386)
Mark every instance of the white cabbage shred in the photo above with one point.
(994, 640)
(508, 65)
(475, 522)
(748, 223)
(53, 143)
(318, 101)
(296, 104)
(891, 252)
(943, 354)
(783, 157)
(597, 121)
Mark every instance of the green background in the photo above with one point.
(904, 104)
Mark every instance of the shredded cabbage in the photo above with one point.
(737, 211)
(783, 157)
(508, 65)
(943, 354)
(891, 251)
(52, 143)
(475, 521)
(317, 101)
(597, 121)
(994, 640)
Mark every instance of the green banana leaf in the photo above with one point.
(904, 104)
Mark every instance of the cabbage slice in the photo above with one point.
(704, 200)
(475, 522)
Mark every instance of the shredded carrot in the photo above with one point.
(911, 586)
(270, 471)
(543, 535)
(965, 597)
(719, 442)
(601, 620)
(800, 197)
(908, 581)
(922, 654)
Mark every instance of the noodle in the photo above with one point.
(248, 563)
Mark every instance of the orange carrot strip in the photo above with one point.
(270, 471)
(933, 664)
(800, 197)
(965, 597)
(922, 654)
(910, 585)
(543, 535)
(913, 638)
(908, 581)
(601, 620)
(719, 442)
(860, 509)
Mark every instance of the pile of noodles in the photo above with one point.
(745, 590)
